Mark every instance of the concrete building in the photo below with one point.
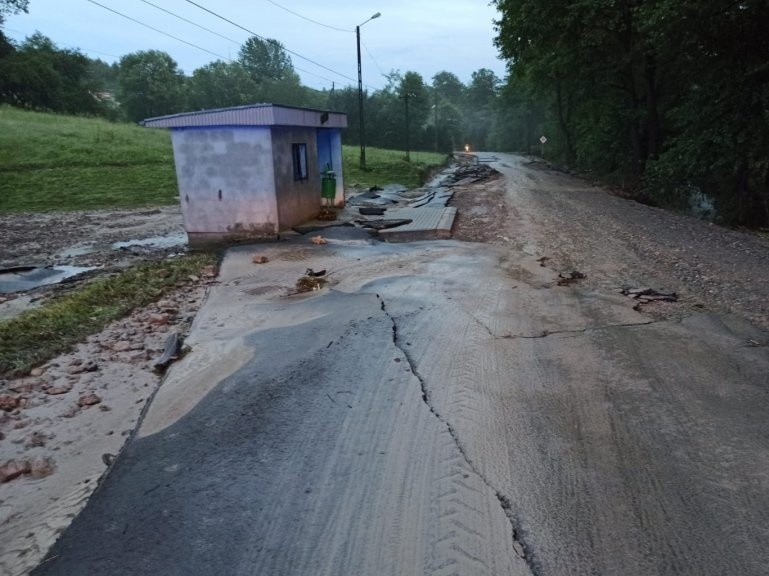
(250, 172)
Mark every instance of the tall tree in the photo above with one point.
(39, 75)
(151, 84)
(266, 60)
(479, 108)
(220, 84)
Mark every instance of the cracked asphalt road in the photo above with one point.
(440, 408)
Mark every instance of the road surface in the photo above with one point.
(442, 408)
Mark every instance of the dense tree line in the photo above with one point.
(668, 97)
(406, 114)
(671, 96)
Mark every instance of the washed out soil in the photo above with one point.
(618, 243)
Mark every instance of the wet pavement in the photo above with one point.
(439, 407)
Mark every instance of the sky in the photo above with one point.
(427, 37)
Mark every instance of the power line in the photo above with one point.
(190, 22)
(309, 19)
(275, 42)
(70, 46)
(190, 43)
(159, 31)
(373, 59)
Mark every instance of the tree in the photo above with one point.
(266, 60)
(220, 84)
(9, 7)
(150, 84)
(39, 75)
(478, 116)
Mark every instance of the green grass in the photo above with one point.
(40, 334)
(388, 167)
(56, 163)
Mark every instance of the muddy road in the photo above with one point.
(456, 407)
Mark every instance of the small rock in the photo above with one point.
(13, 469)
(193, 278)
(104, 408)
(158, 319)
(208, 271)
(121, 346)
(61, 388)
(8, 402)
(71, 412)
(41, 468)
(26, 386)
(318, 240)
(78, 367)
(88, 399)
(258, 259)
(36, 372)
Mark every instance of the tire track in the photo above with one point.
(518, 544)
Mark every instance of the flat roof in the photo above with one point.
(251, 115)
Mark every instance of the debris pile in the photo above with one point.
(471, 174)
(647, 295)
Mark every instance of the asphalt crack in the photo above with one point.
(518, 544)
(548, 333)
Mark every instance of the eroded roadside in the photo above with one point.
(618, 243)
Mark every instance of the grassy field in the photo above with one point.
(54, 163)
(388, 167)
(51, 163)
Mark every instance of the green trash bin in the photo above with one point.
(328, 184)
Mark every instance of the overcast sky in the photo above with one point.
(425, 36)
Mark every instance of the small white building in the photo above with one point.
(250, 172)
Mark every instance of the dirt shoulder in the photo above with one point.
(616, 242)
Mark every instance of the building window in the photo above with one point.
(299, 154)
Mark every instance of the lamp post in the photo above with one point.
(360, 97)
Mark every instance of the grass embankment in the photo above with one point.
(40, 334)
(51, 163)
(388, 167)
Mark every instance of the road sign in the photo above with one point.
(543, 139)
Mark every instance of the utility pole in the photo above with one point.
(406, 98)
(436, 122)
(360, 97)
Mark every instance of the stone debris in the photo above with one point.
(88, 400)
(259, 259)
(12, 469)
(471, 174)
(57, 389)
(647, 295)
(568, 278)
(309, 284)
(9, 403)
(78, 366)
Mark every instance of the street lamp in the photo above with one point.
(360, 98)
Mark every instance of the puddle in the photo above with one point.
(170, 241)
(23, 278)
